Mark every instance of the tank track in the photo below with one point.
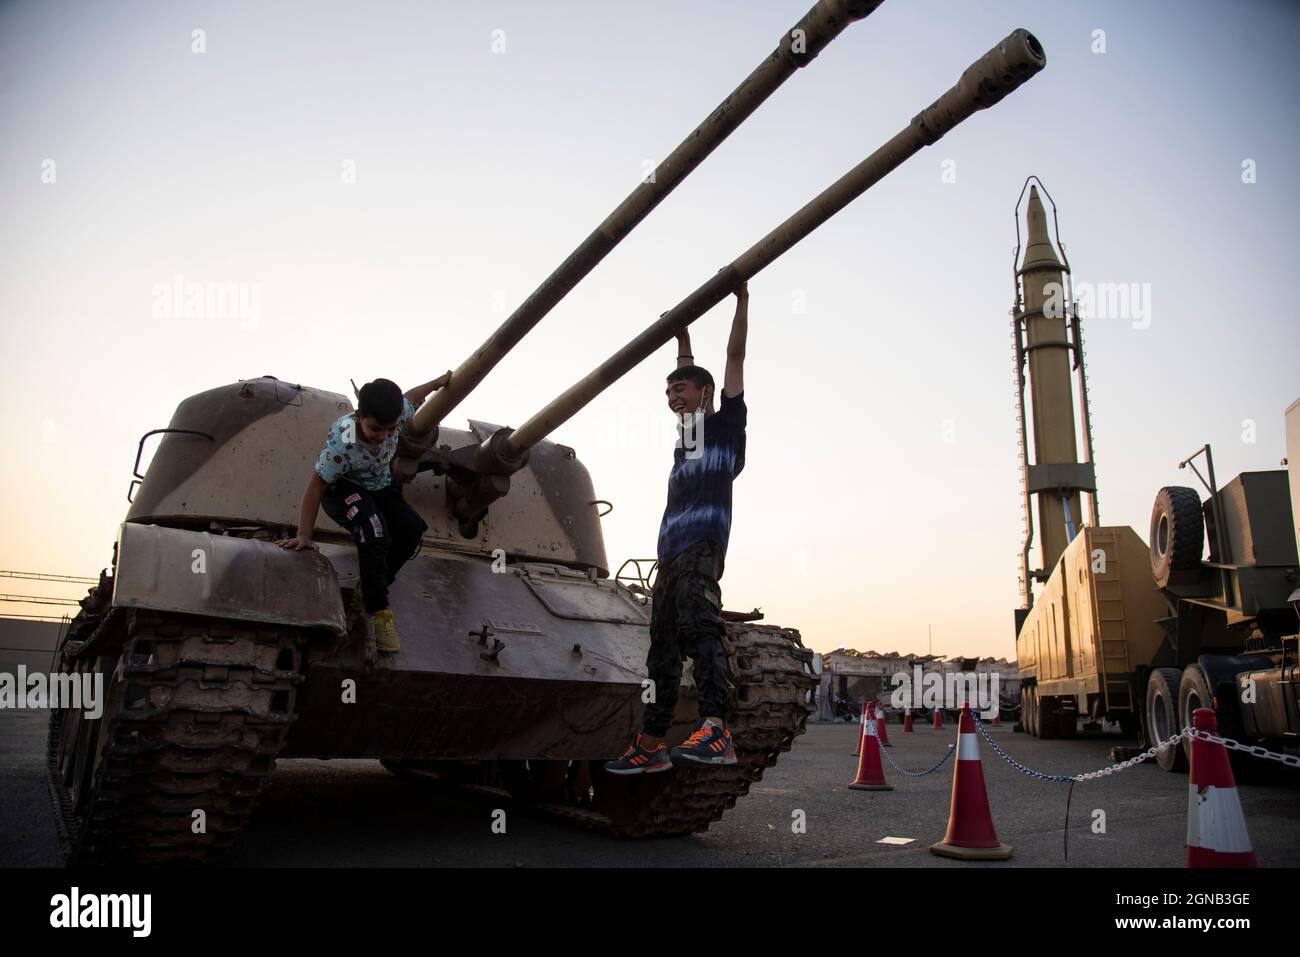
(771, 676)
(200, 708)
(197, 712)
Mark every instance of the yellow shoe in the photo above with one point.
(358, 605)
(385, 632)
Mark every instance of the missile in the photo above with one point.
(1047, 342)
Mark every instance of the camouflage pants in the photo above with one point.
(686, 619)
(387, 532)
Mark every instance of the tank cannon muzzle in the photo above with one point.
(986, 81)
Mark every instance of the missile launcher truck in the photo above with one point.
(1142, 634)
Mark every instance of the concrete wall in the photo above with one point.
(30, 643)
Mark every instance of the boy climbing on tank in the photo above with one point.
(686, 613)
(353, 480)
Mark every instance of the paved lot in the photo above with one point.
(346, 813)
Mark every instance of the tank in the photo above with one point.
(522, 666)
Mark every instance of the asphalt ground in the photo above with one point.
(355, 813)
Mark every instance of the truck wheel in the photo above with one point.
(1161, 716)
(1067, 722)
(1029, 711)
(1045, 720)
(1193, 692)
(1177, 532)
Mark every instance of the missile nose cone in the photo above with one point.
(1039, 250)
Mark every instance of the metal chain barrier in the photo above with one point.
(917, 774)
(1290, 760)
(1057, 778)
(1146, 755)
(1256, 751)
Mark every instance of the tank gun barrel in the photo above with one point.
(797, 48)
(1005, 67)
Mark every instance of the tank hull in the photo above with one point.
(531, 661)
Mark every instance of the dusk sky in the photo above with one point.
(487, 139)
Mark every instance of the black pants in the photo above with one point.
(387, 532)
(686, 619)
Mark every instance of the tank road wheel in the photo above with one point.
(79, 737)
(1177, 533)
(546, 782)
(1161, 716)
(195, 711)
(1193, 692)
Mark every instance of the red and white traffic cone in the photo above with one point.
(871, 773)
(938, 717)
(881, 731)
(971, 835)
(866, 716)
(1216, 828)
(907, 719)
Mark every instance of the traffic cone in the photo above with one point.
(1216, 828)
(907, 719)
(971, 835)
(866, 716)
(938, 717)
(881, 731)
(871, 774)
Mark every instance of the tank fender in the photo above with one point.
(198, 573)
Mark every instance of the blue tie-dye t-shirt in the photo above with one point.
(699, 487)
(348, 456)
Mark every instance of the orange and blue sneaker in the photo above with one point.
(709, 744)
(641, 760)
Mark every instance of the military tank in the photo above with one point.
(522, 666)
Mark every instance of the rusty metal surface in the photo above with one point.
(171, 569)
